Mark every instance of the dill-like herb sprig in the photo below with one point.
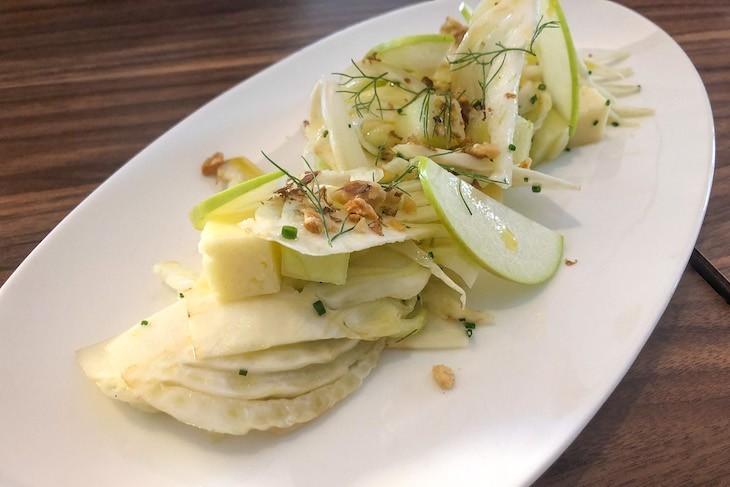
(486, 59)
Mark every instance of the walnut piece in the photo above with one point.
(444, 376)
(211, 164)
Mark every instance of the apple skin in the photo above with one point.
(501, 240)
(420, 53)
(557, 55)
(222, 203)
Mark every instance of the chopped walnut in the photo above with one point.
(361, 208)
(371, 193)
(569, 262)
(376, 227)
(409, 205)
(482, 151)
(510, 95)
(454, 28)
(211, 164)
(444, 376)
(394, 224)
(526, 163)
(312, 221)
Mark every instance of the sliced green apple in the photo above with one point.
(503, 241)
(237, 202)
(559, 62)
(422, 53)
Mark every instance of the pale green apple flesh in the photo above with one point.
(503, 241)
(237, 202)
(421, 53)
(557, 57)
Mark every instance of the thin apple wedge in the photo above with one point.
(557, 57)
(421, 53)
(237, 202)
(503, 241)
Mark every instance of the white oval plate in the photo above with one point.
(525, 388)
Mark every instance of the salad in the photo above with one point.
(306, 278)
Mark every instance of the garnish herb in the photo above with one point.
(243, 372)
(313, 196)
(536, 188)
(533, 99)
(512, 147)
(144, 323)
(319, 307)
(541, 87)
(469, 327)
(288, 232)
(181, 295)
(486, 59)
(464, 200)
(595, 122)
(406, 336)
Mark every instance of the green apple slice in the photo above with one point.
(557, 56)
(503, 241)
(421, 53)
(237, 202)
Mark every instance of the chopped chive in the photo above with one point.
(567, 149)
(536, 188)
(526, 179)
(590, 72)
(469, 325)
(325, 133)
(181, 295)
(533, 99)
(288, 232)
(512, 147)
(595, 122)
(608, 102)
(541, 87)
(430, 254)
(319, 307)
(615, 124)
(144, 323)
(243, 372)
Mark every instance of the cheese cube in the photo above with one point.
(592, 116)
(237, 263)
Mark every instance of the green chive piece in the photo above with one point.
(325, 133)
(615, 124)
(595, 122)
(430, 254)
(533, 99)
(541, 87)
(288, 232)
(243, 372)
(527, 179)
(144, 323)
(319, 307)
(608, 102)
(536, 188)
(512, 147)
(181, 295)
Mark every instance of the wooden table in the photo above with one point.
(85, 85)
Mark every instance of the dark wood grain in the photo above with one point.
(85, 85)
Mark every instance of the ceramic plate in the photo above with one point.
(526, 386)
